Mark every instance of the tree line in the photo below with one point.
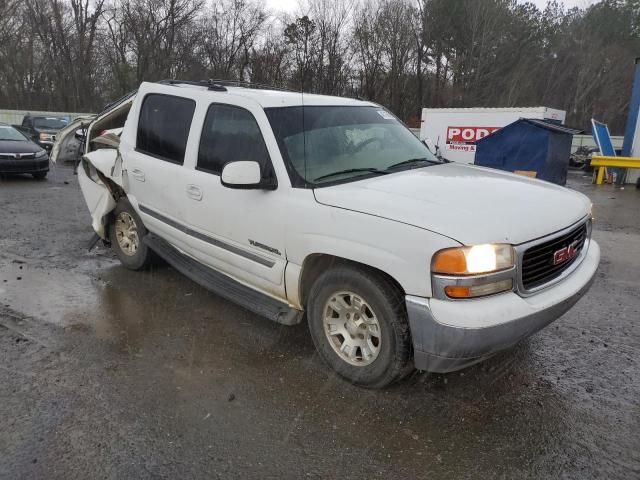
(77, 55)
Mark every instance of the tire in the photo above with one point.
(126, 233)
(39, 175)
(377, 361)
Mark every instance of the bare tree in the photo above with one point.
(229, 33)
(395, 23)
(66, 32)
(270, 63)
(301, 36)
(332, 19)
(154, 28)
(368, 45)
(405, 54)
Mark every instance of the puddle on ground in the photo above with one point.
(71, 299)
(127, 307)
(45, 294)
(181, 342)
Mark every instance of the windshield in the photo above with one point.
(50, 123)
(336, 144)
(11, 134)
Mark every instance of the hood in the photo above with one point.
(10, 146)
(67, 133)
(469, 204)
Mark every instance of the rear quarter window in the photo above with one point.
(163, 126)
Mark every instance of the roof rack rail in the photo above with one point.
(210, 84)
(220, 84)
(244, 84)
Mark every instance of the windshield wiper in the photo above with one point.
(352, 170)
(412, 161)
(377, 170)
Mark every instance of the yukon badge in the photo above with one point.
(264, 247)
(565, 254)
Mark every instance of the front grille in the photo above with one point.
(537, 261)
(12, 156)
(24, 166)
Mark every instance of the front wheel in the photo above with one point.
(358, 323)
(126, 234)
(39, 175)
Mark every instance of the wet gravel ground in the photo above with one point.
(106, 373)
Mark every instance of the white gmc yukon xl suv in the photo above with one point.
(288, 203)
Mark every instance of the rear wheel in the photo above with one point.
(126, 234)
(358, 323)
(39, 175)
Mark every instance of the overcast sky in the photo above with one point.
(290, 5)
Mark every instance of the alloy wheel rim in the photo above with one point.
(352, 328)
(127, 234)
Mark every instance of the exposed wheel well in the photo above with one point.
(316, 263)
(117, 192)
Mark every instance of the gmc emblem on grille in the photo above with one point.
(565, 254)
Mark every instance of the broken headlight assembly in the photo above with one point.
(475, 271)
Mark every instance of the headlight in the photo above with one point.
(46, 137)
(41, 153)
(471, 260)
(468, 272)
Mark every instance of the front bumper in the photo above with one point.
(451, 335)
(31, 165)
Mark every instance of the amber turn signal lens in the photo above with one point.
(473, 291)
(450, 261)
(457, 291)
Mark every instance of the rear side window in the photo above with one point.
(163, 127)
(230, 134)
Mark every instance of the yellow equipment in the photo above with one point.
(603, 162)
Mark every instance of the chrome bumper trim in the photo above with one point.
(440, 347)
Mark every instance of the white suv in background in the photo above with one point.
(289, 203)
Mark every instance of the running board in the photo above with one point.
(223, 285)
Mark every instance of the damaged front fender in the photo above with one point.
(98, 198)
(101, 182)
(101, 175)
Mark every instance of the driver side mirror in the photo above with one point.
(245, 175)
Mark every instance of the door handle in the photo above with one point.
(137, 174)
(194, 192)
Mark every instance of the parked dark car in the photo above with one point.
(42, 129)
(18, 154)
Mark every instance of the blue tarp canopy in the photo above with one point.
(538, 148)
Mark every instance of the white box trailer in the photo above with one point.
(455, 130)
